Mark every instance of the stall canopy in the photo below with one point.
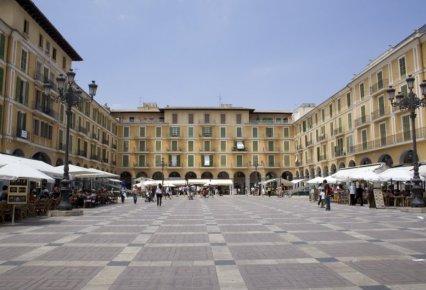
(35, 164)
(278, 181)
(18, 170)
(365, 172)
(296, 181)
(402, 173)
(422, 171)
(219, 182)
(81, 172)
(317, 180)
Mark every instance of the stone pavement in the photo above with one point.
(232, 242)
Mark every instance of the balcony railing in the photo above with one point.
(362, 120)
(376, 87)
(339, 152)
(114, 146)
(322, 157)
(45, 110)
(298, 163)
(82, 129)
(322, 137)
(82, 153)
(22, 134)
(381, 112)
(94, 157)
(61, 146)
(338, 131)
(105, 141)
(309, 143)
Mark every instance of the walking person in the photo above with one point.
(359, 194)
(352, 190)
(122, 194)
(328, 193)
(135, 194)
(321, 198)
(159, 194)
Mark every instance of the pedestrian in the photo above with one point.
(359, 194)
(321, 199)
(4, 193)
(328, 193)
(122, 194)
(352, 190)
(135, 194)
(159, 194)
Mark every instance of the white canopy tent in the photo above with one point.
(365, 172)
(320, 179)
(278, 181)
(35, 164)
(422, 170)
(81, 172)
(17, 170)
(219, 182)
(296, 181)
(402, 173)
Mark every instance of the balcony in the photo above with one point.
(298, 163)
(105, 160)
(23, 134)
(339, 152)
(338, 131)
(82, 153)
(94, 136)
(45, 110)
(94, 157)
(105, 141)
(309, 143)
(114, 162)
(299, 147)
(322, 157)
(322, 138)
(82, 129)
(379, 86)
(363, 120)
(309, 160)
(114, 146)
(61, 146)
(380, 113)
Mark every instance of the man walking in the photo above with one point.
(328, 192)
(159, 194)
(352, 190)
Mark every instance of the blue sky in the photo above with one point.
(268, 54)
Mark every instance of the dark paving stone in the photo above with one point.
(250, 252)
(324, 236)
(92, 253)
(355, 250)
(224, 262)
(375, 287)
(135, 245)
(217, 244)
(252, 238)
(105, 239)
(392, 234)
(299, 243)
(327, 260)
(13, 263)
(55, 244)
(118, 263)
(190, 253)
(179, 239)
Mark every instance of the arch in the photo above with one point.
(42, 157)
(270, 175)
(255, 178)
(223, 175)
(206, 175)
(240, 182)
(59, 162)
(158, 176)
(342, 165)
(365, 161)
(18, 152)
(300, 173)
(190, 175)
(141, 174)
(297, 174)
(306, 173)
(126, 179)
(326, 172)
(319, 171)
(287, 175)
(312, 172)
(351, 163)
(333, 168)
(407, 157)
(387, 159)
(174, 174)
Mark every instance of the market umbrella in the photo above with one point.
(19, 170)
(402, 173)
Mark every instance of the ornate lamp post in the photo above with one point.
(70, 95)
(410, 102)
(162, 171)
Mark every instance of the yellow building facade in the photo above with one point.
(355, 126)
(33, 52)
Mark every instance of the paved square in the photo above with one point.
(230, 242)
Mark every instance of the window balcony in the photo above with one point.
(322, 138)
(339, 152)
(23, 134)
(322, 157)
(105, 141)
(380, 113)
(82, 153)
(363, 120)
(379, 86)
(46, 110)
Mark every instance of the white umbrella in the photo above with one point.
(422, 170)
(19, 170)
(402, 173)
(36, 164)
(368, 173)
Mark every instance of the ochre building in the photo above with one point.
(355, 126)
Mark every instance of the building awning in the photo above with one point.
(365, 172)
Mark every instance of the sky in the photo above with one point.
(263, 54)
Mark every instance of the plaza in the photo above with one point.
(229, 242)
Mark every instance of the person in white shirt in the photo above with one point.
(321, 199)
(352, 189)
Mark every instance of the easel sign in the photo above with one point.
(18, 194)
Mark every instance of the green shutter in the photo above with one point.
(18, 89)
(1, 80)
(27, 85)
(2, 45)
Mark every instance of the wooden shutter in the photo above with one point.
(1, 80)
(2, 46)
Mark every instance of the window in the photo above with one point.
(1, 80)
(64, 63)
(350, 121)
(254, 132)
(24, 59)
(322, 115)
(174, 118)
(269, 132)
(206, 145)
(286, 146)
(21, 93)
(2, 46)
(125, 161)
(406, 128)
(255, 160)
(206, 118)
(174, 131)
(271, 160)
(26, 27)
(131, 119)
(157, 146)
(223, 146)
(286, 160)
(382, 128)
(142, 145)
(239, 160)
(363, 116)
(270, 145)
(190, 132)
(207, 160)
(330, 109)
(402, 67)
(286, 132)
(207, 131)
(125, 146)
(364, 139)
(361, 91)
(239, 132)
(158, 132)
(142, 161)
(255, 146)
(40, 40)
(222, 118)
(158, 160)
(47, 48)
(380, 80)
(142, 132)
(54, 54)
(126, 132)
(190, 146)
(404, 90)
(36, 127)
(174, 160)
(190, 160)
(381, 101)
(223, 160)
(238, 118)
(222, 132)
(348, 100)
(338, 106)
(190, 118)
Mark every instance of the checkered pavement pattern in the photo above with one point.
(230, 242)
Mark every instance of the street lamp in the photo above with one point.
(162, 170)
(410, 102)
(70, 95)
